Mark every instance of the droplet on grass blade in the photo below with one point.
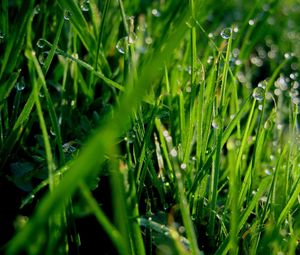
(121, 45)
(67, 15)
(216, 123)
(173, 153)
(41, 43)
(36, 10)
(155, 13)
(2, 36)
(258, 93)
(226, 33)
(20, 85)
(42, 57)
(85, 6)
(251, 22)
(183, 166)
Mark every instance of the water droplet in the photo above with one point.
(267, 172)
(2, 35)
(42, 57)
(36, 10)
(85, 6)
(52, 132)
(183, 166)
(210, 35)
(288, 55)
(168, 139)
(21, 84)
(132, 38)
(173, 153)
(165, 133)
(188, 89)
(41, 94)
(41, 43)
(67, 15)
(251, 22)
(121, 45)
(226, 33)
(155, 13)
(258, 93)
(181, 229)
(235, 29)
(260, 107)
(74, 55)
(68, 148)
(216, 123)
(295, 100)
(262, 84)
(148, 40)
(150, 219)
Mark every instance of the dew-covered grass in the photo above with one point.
(149, 127)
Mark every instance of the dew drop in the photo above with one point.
(52, 132)
(288, 55)
(41, 43)
(165, 133)
(36, 10)
(216, 123)
(85, 6)
(267, 172)
(41, 94)
(67, 15)
(21, 84)
(168, 139)
(226, 33)
(2, 36)
(131, 38)
(295, 100)
(260, 107)
(183, 166)
(181, 229)
(42, 57)
(148, 40)
(121, 45)
(258, 93)
(155, 13)
(173, 153)
(251, 22)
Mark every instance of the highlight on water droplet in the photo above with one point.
(258, 93)
(36, 9)
(84, 6)
(41, 43)
(216, 123)
(132, 38)
(121, 45)
(155, 13)
(226, 33)
(2, 36)
(21, 84)
(42, 57)
(251, 22)
(67, 15)
(183, 166)
(173, 153)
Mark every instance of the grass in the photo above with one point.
(149, 127)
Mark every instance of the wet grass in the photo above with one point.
(149, 127)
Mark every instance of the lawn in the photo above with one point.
(149, 127)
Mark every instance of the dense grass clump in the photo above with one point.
(149, 127)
